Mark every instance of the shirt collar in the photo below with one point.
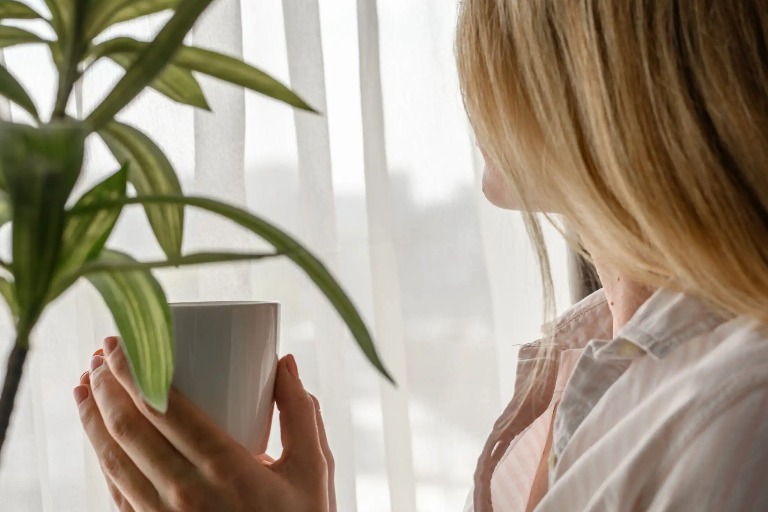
(588, 319)
(666, 320)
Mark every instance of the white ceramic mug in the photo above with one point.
(226, 361)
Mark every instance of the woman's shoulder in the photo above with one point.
(684, 432)
(706, 374)
(737, 362)
(715, 428)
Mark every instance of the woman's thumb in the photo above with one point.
(298, 426)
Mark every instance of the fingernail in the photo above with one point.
(110, 344)
(96, 361)
(84, 378)
(99, 352)
(290, 363)
(81, 393)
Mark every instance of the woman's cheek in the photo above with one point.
(494, 188)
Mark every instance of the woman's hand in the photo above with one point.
(182, 462)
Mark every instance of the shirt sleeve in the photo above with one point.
(724, 467)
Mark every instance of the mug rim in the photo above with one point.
(223, 303)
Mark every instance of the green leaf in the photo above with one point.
(6, 212)
(199, 258)
(56, 16)
(10, 9)
(11, 36)
(8, 291)
(85, 235)
(62, 12)
(175, 82)
(151, 173)
(150, 62)
(40, 167)
(137, 8)
(237, 72)
(106, 13)
(12, 89)
(285, 245)
(211, 63)
(142, 316)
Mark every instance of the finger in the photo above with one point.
(118, 468)
(191, 432)
(120, 501)
(141, 441)
(322, 437)
(298, 428)
(326, 454)
(265, 459)
(123, 505)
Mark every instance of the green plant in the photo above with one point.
(53, 245)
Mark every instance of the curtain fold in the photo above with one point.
(383, 186)
(219, 152)
(304, 44)
(388, 315)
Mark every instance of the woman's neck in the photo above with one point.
(623, 295)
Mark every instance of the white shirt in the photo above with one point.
(671, 414)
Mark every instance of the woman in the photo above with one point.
(643, 125)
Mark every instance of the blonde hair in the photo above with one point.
(644, 123)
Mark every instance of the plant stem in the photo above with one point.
(74, 52)
(190, 259)
(150, 62)
(59, 286)
(11, 384)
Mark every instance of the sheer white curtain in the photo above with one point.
(384, 187)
